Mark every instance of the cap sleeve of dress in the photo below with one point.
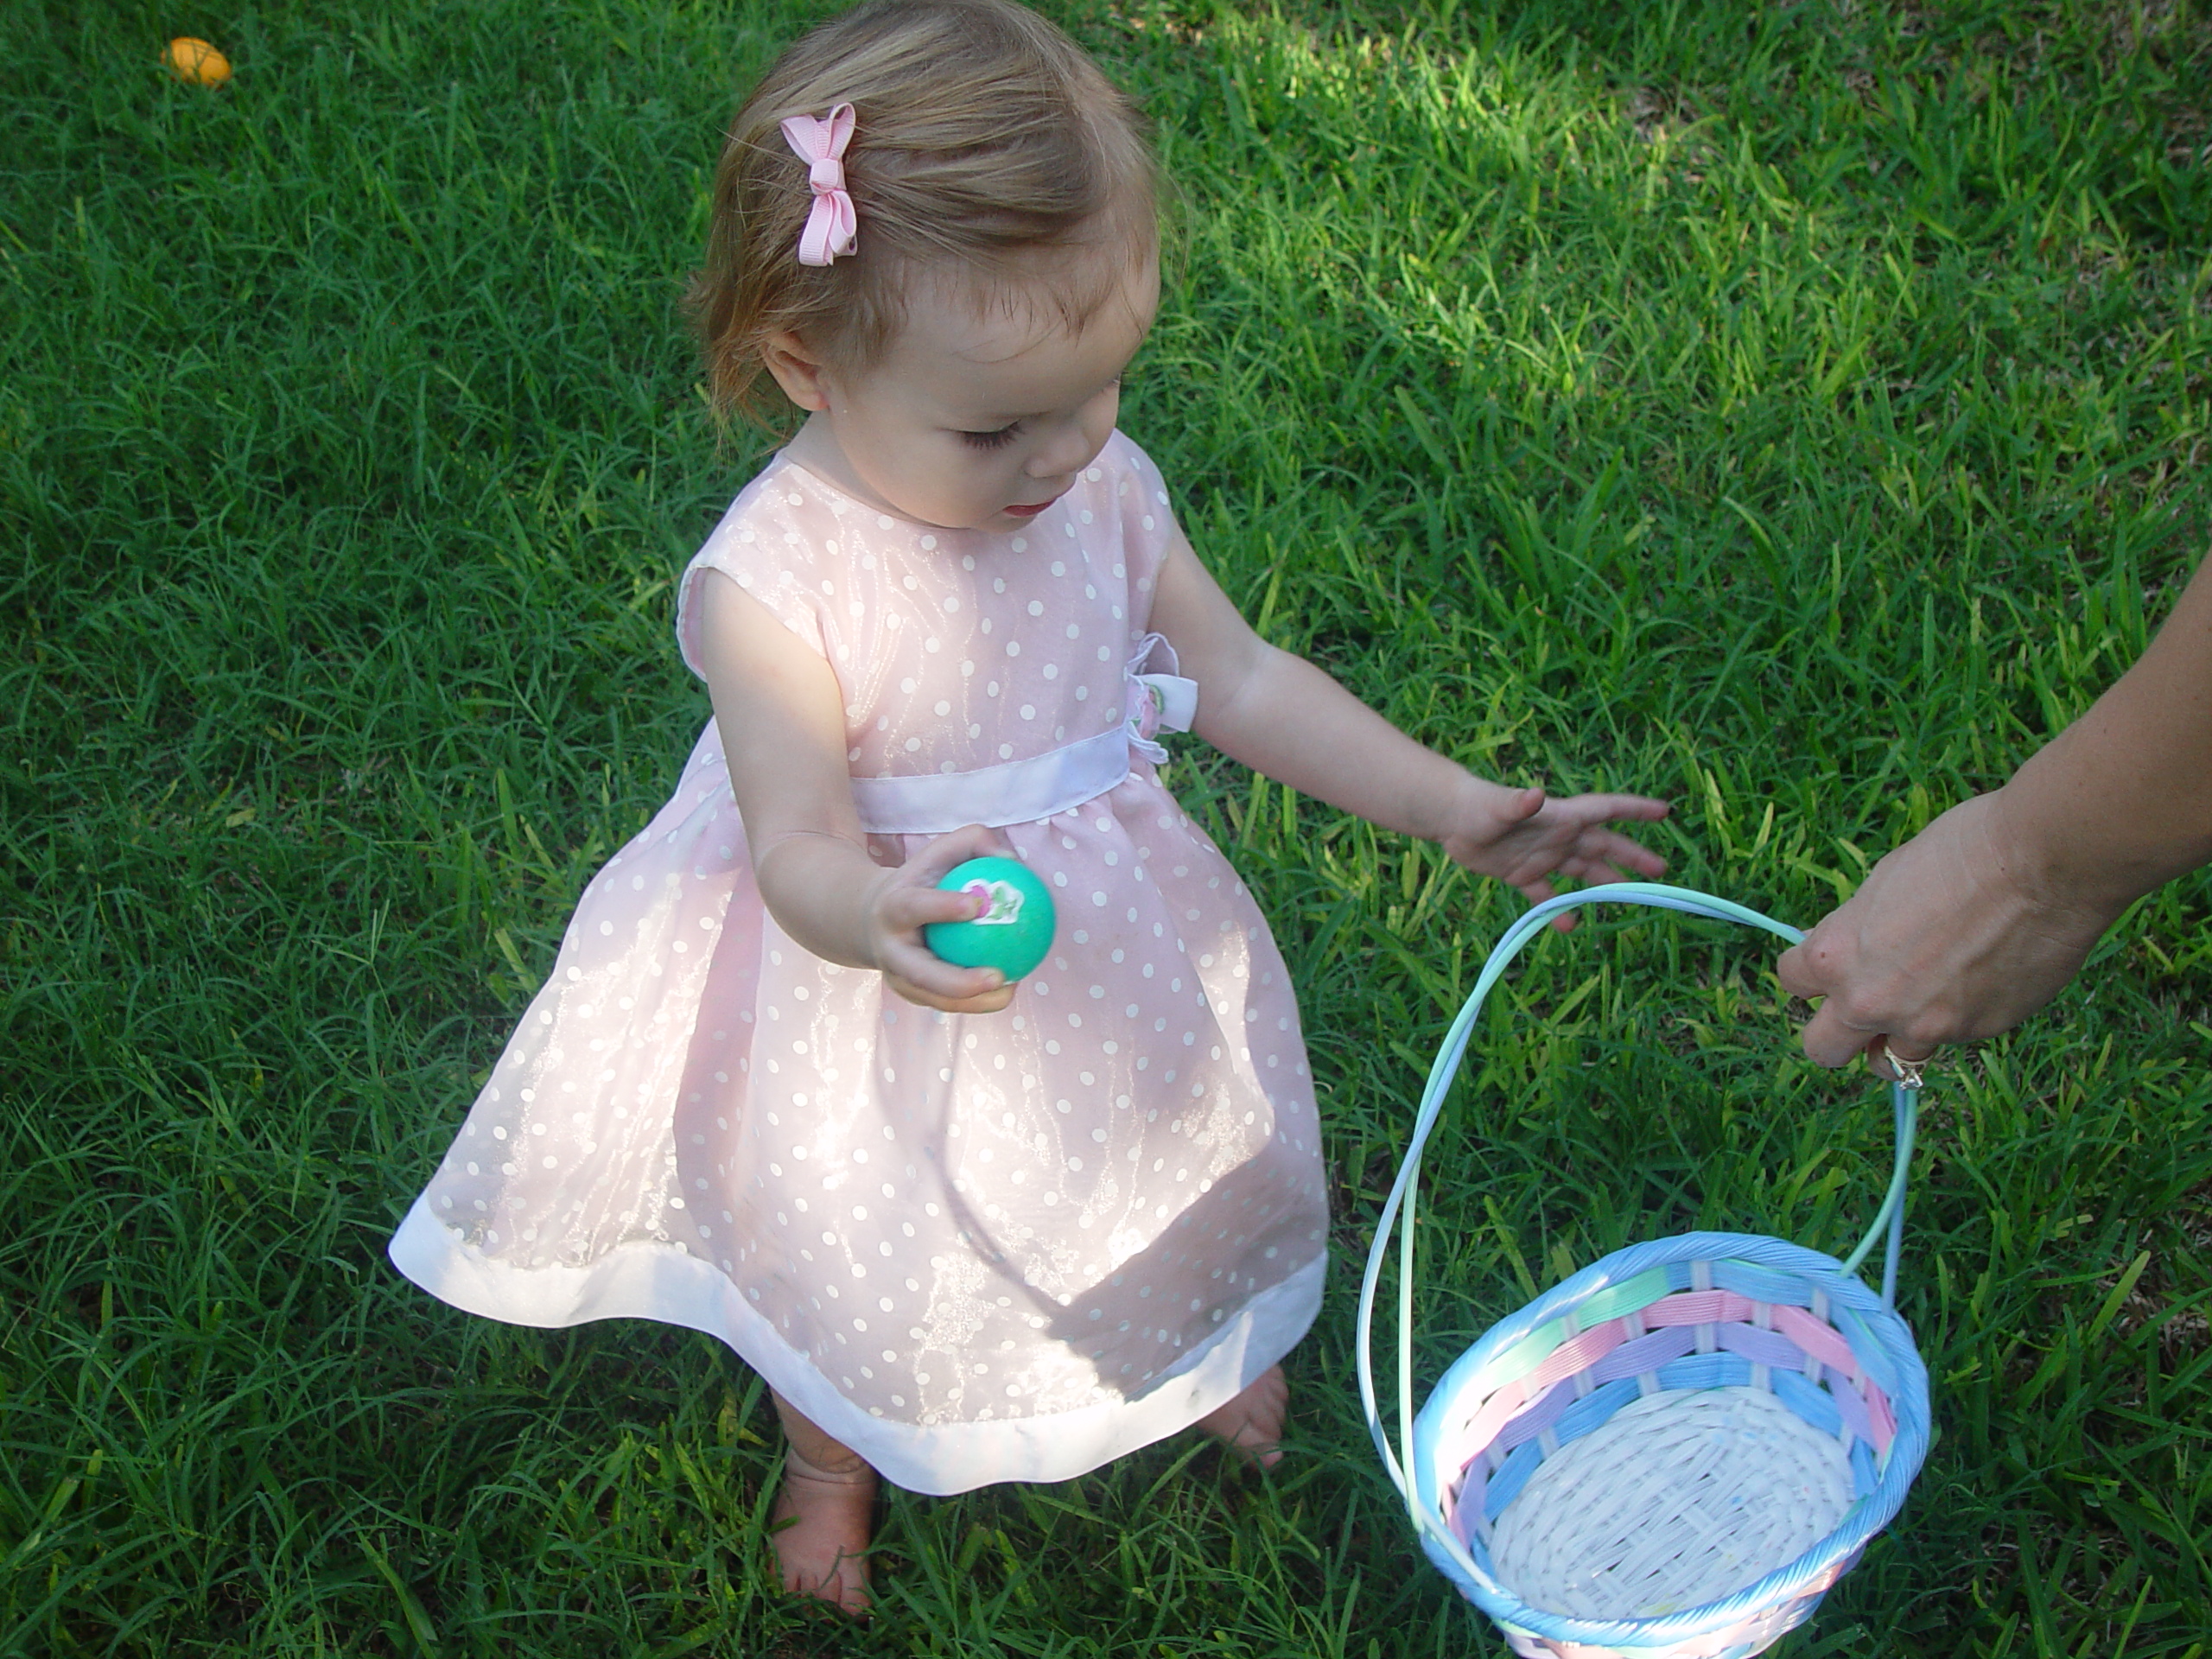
(1148, 522)
(770, 545)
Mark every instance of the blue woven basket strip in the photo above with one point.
(1864, 1476)
(1865, 1345)
(1507, 1480)
(1576, 1419)
(1705, 1371)
(1763, 1284)
(1594, 1409)
(1809, 1400)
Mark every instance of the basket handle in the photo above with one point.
(1889, 1219)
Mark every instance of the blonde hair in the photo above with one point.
(982, 136)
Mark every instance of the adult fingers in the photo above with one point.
(1879, 1061)
(1828, 1039)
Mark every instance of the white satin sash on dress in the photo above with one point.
(1023, 792)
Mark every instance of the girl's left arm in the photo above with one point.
(1280, 714)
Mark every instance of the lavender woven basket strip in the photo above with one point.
(1881, 1422)
(1471, 1500)
(1644, 1354)
(1852, 1407)
(1547, 1410)
(1761, 1347)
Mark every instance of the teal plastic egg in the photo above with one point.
(1013, 935)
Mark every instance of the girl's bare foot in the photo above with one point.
(820, 1524)
(1251, 1424)
(819, 1528)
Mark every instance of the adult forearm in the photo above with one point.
(1983, 917)
(2122, 801)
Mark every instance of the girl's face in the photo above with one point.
(971, 420)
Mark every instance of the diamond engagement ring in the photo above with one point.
(1908, 1071)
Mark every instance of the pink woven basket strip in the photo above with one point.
(1698, 1307)
(1496, 1411)
(1885, 1419)
(1578, 1353)
(1545, 1411)
(1822, 1340)
(1643, 1354)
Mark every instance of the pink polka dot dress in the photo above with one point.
(973, 1248)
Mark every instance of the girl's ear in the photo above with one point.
(798, 370)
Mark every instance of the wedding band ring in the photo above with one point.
(1908, 1071)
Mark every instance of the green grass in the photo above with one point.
(1799, 411)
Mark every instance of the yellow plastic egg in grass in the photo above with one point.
(195, 62)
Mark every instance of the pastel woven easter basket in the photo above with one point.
(1677, 1451)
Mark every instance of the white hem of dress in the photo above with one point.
(664, 1282)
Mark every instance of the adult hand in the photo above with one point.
(1950, 937)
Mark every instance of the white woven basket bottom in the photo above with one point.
(1679, 1499)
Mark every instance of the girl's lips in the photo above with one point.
(1032, 511)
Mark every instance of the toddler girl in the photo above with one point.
(967, 1230)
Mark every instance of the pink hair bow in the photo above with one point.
(831, 223)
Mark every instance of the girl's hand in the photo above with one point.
(900, 902)
(1523, 837)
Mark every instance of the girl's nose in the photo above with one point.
(1071, 449)
(1076, 443)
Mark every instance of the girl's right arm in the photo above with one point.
(781, 718)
